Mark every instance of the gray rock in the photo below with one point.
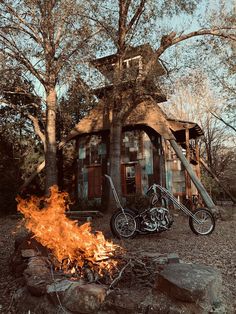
(84, 298)
(37, 285)
(145, 301)
(124, 301)
(173, 258)
(150, 254)
(56, 291)
(190, 283)
(59, 286)
(27, 253)
(37, 276)
(162, 260)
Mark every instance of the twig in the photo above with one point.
(11, 302)
(10, 283)
(140, 262)
(119, 276)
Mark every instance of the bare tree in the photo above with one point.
(194, 100)
(44, 37)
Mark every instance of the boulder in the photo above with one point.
(125, 300)
(173, 258)
(84, 298)
(56, 291)
(27, 253)
(190, 283)
(37, 275)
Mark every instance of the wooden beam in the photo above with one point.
(201, 189)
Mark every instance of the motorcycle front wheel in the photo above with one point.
(206, 224)
(124, 224)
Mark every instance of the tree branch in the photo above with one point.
(34, 34)
(18, 55)
(171, 39)
(33, 119)
(37, 129)
(67, 56)
(101, 23)
(222, 120)
(39, 168)
(136, 16)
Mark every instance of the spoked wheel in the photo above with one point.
(124, 225)
(205, 224)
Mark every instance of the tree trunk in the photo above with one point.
(51, 145)
(115, 158)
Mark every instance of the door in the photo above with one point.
(94, 181)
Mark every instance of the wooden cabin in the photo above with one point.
(147, 156)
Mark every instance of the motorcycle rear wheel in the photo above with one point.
(124, 225)
(207, 222)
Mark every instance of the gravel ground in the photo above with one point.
(218, 250)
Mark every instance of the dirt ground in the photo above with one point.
(218, 250)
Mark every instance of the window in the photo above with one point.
(131, 178)
(92, 150)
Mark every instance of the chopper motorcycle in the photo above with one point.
(127, 223)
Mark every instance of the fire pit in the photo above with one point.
(68, 268)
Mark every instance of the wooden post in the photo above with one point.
(187, 177)
(105, 183)
(197, 153)
(205, 196)
(157, 170)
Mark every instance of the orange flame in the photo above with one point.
(64, 237)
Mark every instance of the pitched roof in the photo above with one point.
(146, 113)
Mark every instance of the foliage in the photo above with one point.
(74, 105)
(9, 176)
(20, 148)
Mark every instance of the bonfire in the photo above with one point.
(74, 247)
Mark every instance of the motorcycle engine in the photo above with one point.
(157, 219)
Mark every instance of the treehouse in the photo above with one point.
(134, 66)
(152, 143)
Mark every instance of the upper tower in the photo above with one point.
(135, 61)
